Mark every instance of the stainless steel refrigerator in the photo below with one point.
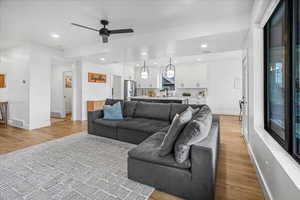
(129, 89)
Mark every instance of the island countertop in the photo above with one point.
(173, 99)
(160, 98)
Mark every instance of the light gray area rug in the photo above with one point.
(76, 167)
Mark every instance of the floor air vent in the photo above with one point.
(17, 123)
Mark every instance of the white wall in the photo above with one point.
(222, 96)
(97, 91)
(15, 64)
(39, 89)
(129, 72)
(57, 88)
(77, 90)
(28, 84)
(278, 172)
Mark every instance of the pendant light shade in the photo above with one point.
(144, 72)
(170, 69)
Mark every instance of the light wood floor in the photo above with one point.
(236, 179)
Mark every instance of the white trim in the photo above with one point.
(262, 181)
(269, 11)
(285, 160)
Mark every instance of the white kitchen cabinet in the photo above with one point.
(153, 80)
(191, 75)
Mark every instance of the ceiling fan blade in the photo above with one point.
(128, 30)
(86, 27)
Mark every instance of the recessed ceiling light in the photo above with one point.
(102, 59)
(155, 63)
(144, 53)
(199, 59)
(54, 35)
(137, 65)
(203, 45)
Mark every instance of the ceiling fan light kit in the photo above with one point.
(104, 32)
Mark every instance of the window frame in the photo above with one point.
(290, 14)
(295, 16)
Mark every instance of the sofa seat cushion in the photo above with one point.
(144, 125)
(148, 151)
(110, 123)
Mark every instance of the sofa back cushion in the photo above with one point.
(129, 108)
(177, 108)
(178, 123)
(160, 111)
(195, 131)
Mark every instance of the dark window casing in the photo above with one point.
(280, 62)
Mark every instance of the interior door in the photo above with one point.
(117, 87)
(244, 101)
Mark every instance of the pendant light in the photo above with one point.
(170, 69)
(144, 71)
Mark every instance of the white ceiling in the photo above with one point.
(175, 27)
(217, 43)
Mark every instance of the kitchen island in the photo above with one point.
(182, 100)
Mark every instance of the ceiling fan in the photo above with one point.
(104, 32)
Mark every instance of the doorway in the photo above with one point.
(117, 87)
(68, 94)
(61, 94)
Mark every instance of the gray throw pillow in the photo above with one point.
(194, 132)
(178, 123)
(195, 110)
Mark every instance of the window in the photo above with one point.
(282, 74)
(296, 77)
(168, 83)
(276, 67)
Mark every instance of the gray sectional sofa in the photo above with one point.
(146, 124)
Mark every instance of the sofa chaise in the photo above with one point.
(146, 124)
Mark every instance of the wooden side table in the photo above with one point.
(4, 112)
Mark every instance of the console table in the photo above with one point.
(3, 112)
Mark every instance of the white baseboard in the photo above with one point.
(261, 179)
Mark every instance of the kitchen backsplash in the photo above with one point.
(194, 92)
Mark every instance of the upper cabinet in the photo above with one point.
(191, 75)
(153, 80)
